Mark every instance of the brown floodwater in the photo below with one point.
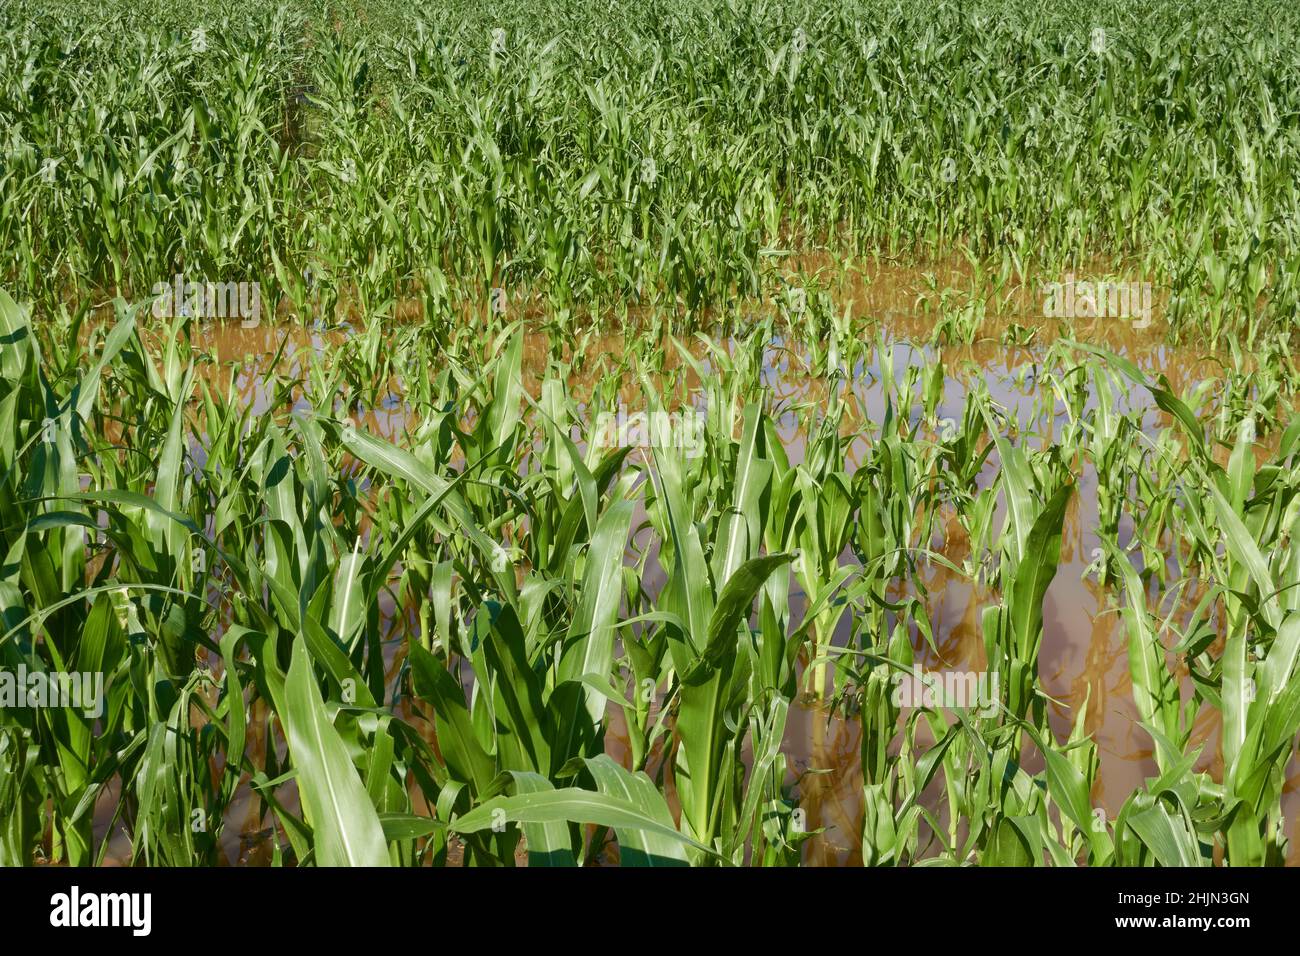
(1084, 648)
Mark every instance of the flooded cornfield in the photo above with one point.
(1046, 392)
(714, 435)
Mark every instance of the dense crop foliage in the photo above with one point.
(648, 152)
(410, 588)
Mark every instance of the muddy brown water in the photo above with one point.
(1084, 648)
